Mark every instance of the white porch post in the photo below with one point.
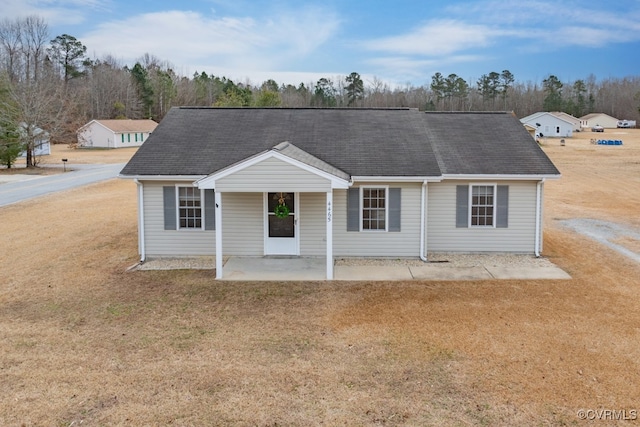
(218, 200)
(330, 235)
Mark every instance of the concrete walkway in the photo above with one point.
(312, 269)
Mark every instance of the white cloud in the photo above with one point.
(54, 12)
(559, 24)
(435, 38)
(418, 69)
(184, 37)
(480, 31)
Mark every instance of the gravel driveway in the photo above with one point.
(608, 233)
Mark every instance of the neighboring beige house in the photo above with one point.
(115, 133)
(328, 183)
(598, 119)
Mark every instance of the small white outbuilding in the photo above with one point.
(115, 133)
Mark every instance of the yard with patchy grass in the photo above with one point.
(83, 342)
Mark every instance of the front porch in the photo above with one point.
(281, 174)
(443, 267)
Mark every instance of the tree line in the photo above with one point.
(51, 84)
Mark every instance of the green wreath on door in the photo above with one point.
(281, 211)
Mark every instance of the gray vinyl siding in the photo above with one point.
(170, 243)
(243, 227)
(444, 236)
(313, 227)
(405, 243)
(242, 224)
(271, 174)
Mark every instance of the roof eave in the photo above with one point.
(187, 178)
(501, 177)
(382, 178)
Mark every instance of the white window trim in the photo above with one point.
(202, 210)
(495, 203)
(386, 208)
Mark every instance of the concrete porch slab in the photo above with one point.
(314, 269)
(522, 272)
(443, 272)
(274, 269)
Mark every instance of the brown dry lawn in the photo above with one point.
(82, 342)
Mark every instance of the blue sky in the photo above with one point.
(399, 42)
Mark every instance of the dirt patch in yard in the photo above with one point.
(84, 342)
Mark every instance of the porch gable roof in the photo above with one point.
(287, 153)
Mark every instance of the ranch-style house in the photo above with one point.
(312, 182)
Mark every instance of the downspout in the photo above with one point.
(423, 227)
(141, 239)
(538, 216)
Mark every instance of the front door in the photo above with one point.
(281, 224)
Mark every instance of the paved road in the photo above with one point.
(14, 192)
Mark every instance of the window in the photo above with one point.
(482, 205)
(128, 137)
(136, 136)
(374, 208)
(122, 136)
(189, 208)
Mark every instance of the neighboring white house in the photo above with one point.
(42, 144)
(575, 122)
(549, 125)
(315, 182)
(598, 119)
(115, 133)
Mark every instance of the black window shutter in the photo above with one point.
(169, 202)
(462, 206)
(502, 211)
(209, 210)
(353, 209)
(395, 203)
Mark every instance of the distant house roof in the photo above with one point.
(566, 116)
(594, 115)
(396, 142)
(35, 131)
(126, 125)
(560, 116)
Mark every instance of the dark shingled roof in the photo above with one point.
(360, 142)
(485, 143)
